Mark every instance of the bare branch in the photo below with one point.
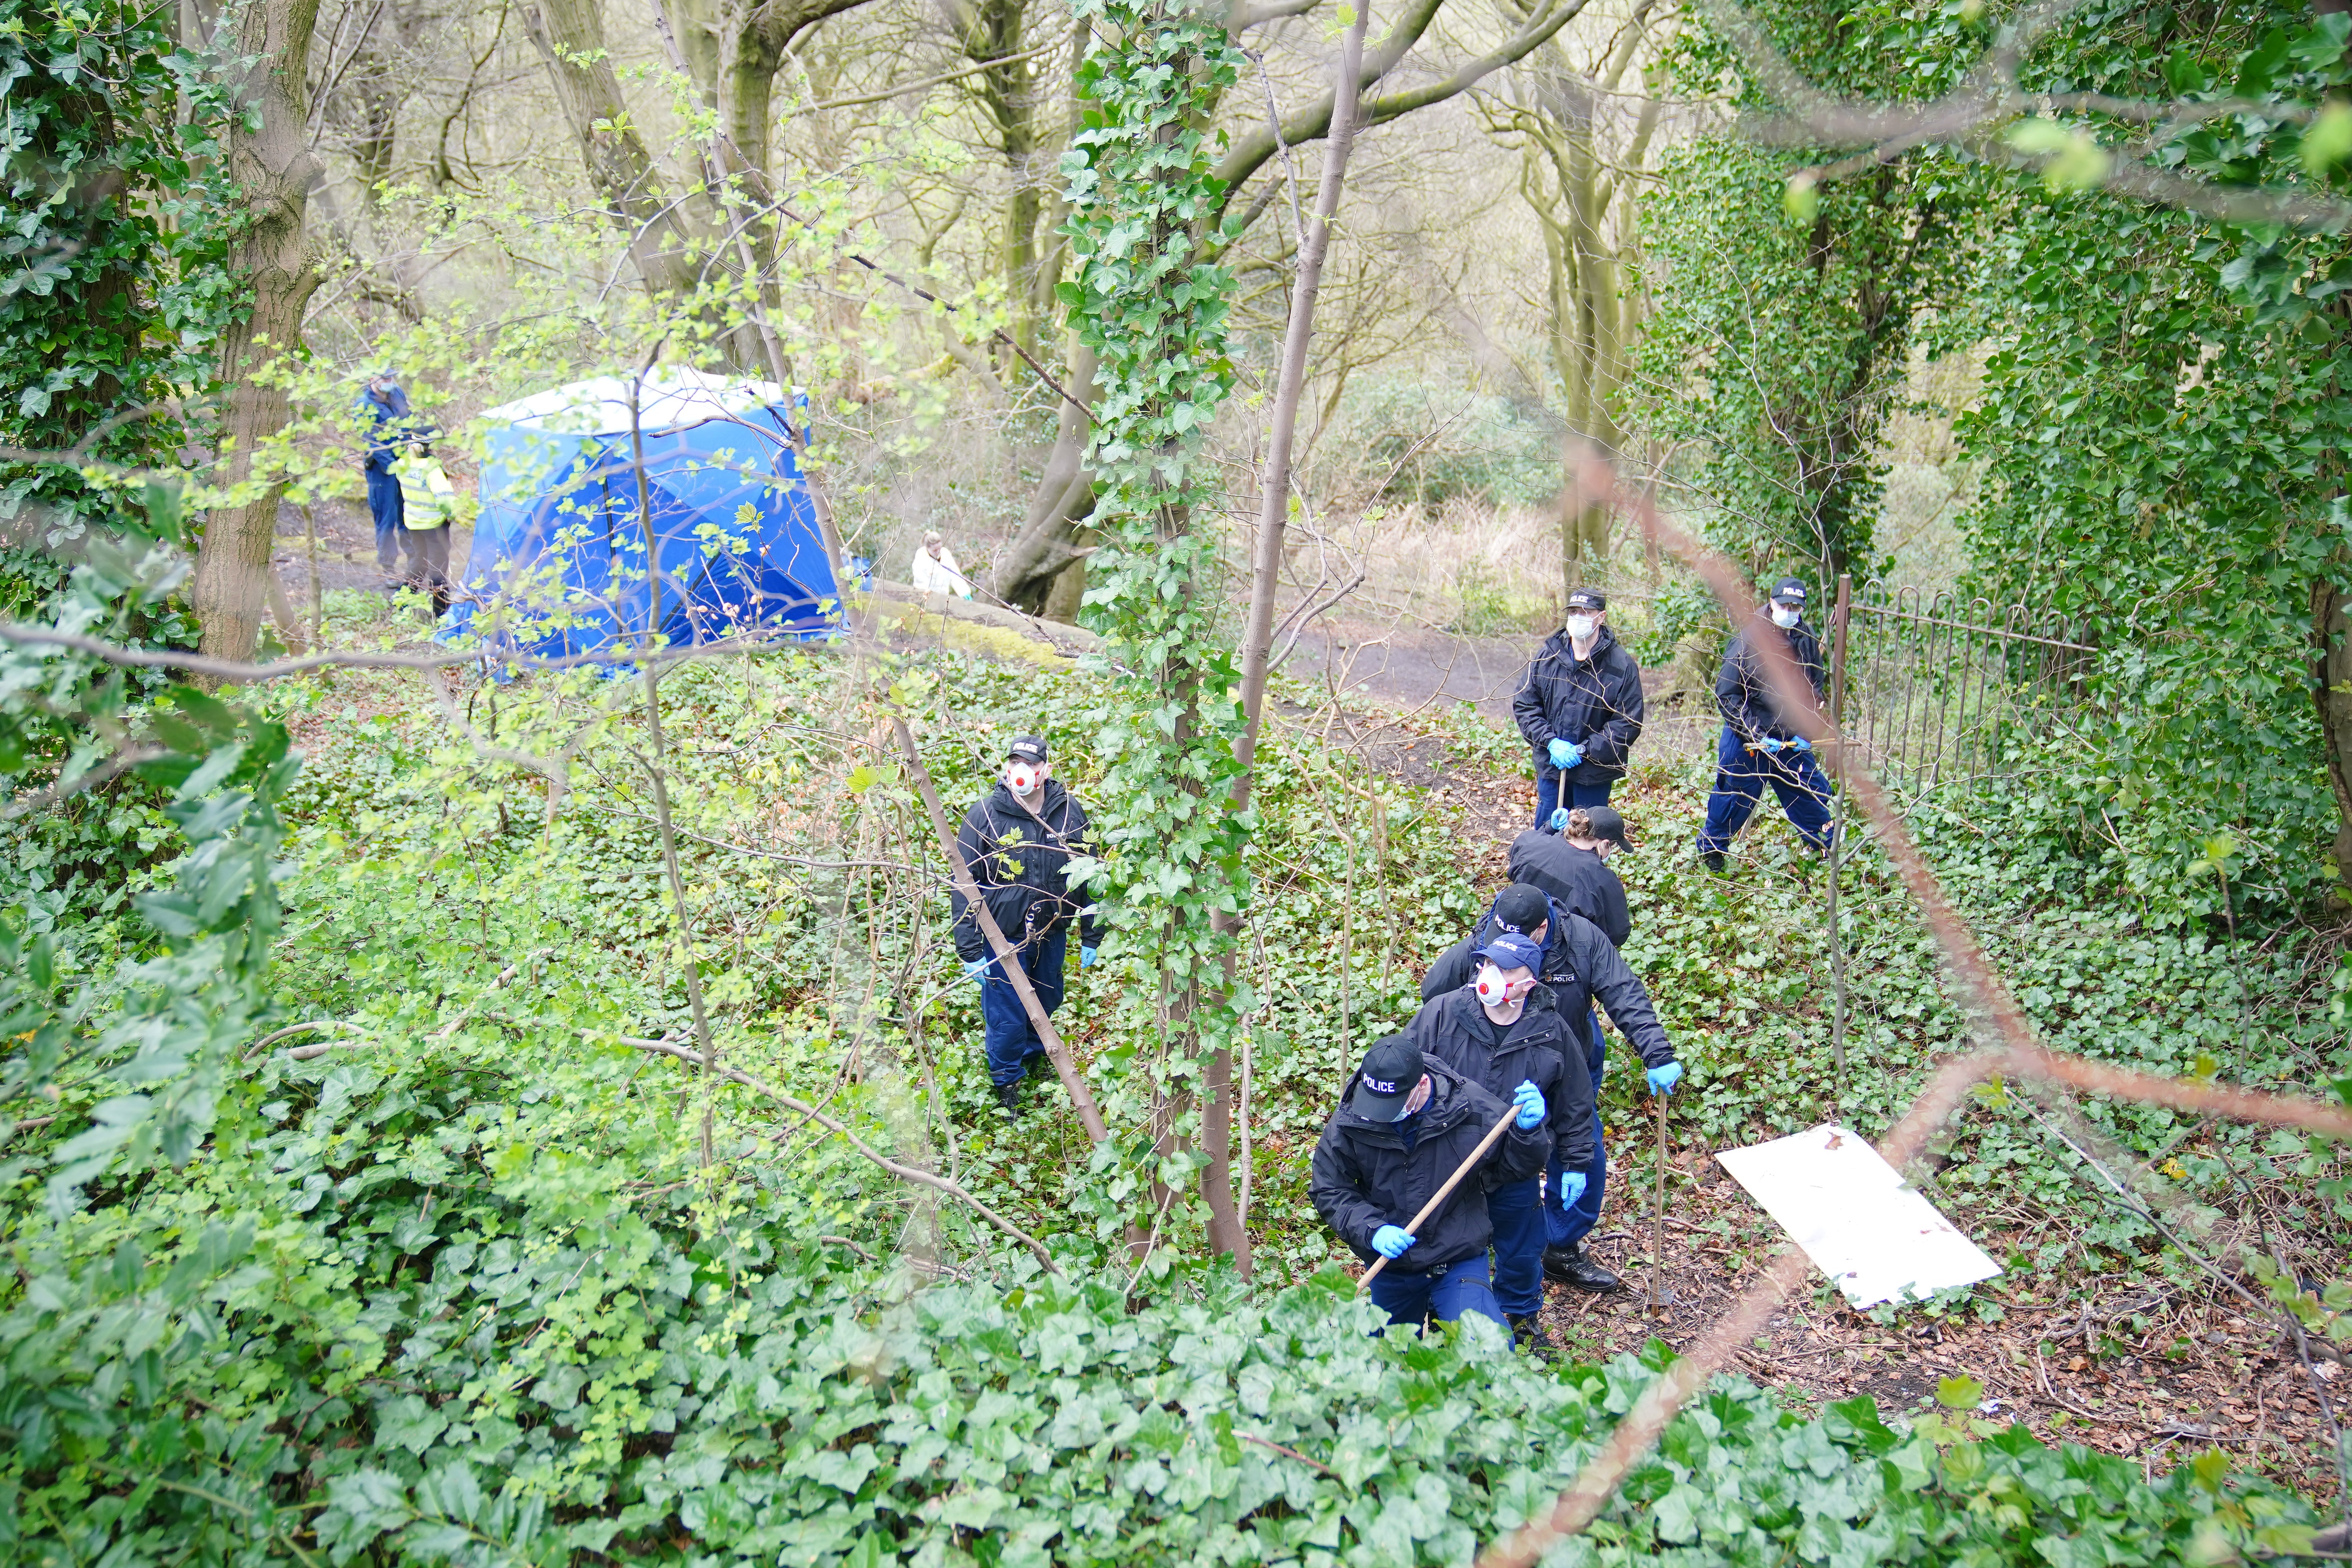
(906, 1173)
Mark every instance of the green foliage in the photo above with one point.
(1431, 446)
(117, 290)
(1146, 297)
(1773, 348)
(114, 296)
(473, 1301)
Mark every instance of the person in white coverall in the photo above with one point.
(935, 569)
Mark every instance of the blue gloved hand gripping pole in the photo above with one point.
(1413, 1226)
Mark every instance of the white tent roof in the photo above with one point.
(669, 399)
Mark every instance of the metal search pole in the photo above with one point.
(1838, 619)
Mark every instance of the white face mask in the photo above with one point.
(1024, 779)
(1581, 627)
(1496, 992)
(1784, 618)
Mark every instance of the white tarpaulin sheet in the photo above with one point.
(1876, 1238)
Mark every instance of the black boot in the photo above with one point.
(1574, 1267)
(1527, 1334)
(1712, 859)
(1008, 1098)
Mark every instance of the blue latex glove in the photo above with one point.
(1559, 819)
(1528, 1099)
(1565, 753)
(1771, 745)
(1086, 956)
(975, 969)
(1663, 1078)
(1391, 1241)
(1800, 744)
(1571, 1187)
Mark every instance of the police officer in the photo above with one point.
(1406, 1125)
(1580, 708)
(389, 426)
(1501, 1030)
(1581, 966)
(1760, 745)
(1572, 867)
(1019, 841)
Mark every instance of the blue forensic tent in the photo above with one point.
(559, 560)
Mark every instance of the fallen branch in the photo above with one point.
(906, 1173)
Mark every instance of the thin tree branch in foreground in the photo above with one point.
(688, 1055)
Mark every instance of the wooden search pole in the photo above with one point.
(1510, 1114)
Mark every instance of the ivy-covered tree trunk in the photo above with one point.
(270, 160)
(1150, 306)
(2332, 628)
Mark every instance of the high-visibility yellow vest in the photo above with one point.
(427, 499)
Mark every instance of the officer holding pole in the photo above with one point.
(1407, 1129)
(1758, 746)
(1501, 1030)
(1580, 708)
(1018, 841)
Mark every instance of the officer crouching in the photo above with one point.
(1407, 1124)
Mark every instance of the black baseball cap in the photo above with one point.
(1520, 909)
(1789, 591)
(1512, 951)
(1606, 824)
(1028, 748)
(1392, 1071)
(1587, 599)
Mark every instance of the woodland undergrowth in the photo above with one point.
(450, 1281)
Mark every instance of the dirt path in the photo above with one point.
(1412, 669)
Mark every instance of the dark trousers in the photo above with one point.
(1516, 1214)
(1012, 1038)
(429, 560)
(1740, 776)
(1547, 798)
(384, 506)
(1444, 1295)
(1565, 1225)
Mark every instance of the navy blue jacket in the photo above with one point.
(1020, 863)
(1743, 690)
(1579, 964)
(1574, 878)
(1594, 701)
(1538, 1047)
(1363, 1177)
(390, 427)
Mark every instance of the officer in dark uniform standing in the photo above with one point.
(1758, 746)
(1019, 841)
(1581, 709)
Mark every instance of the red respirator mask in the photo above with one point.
(1496, 992)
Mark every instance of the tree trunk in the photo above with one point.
(2332, 682)
(1047, 542)
(569, 38)
(1226, 1232)
(269, 157)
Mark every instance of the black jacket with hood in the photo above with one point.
(1581, 965)
(1575, 878)
(1538, 1047)
(1594, 701)
(1020, 862)
(1363, 1177)
(1743, 686)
